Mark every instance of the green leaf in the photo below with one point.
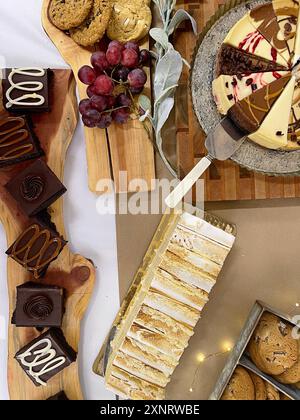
(180, 16)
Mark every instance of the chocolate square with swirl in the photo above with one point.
(26, 89)
(18, 141)
(36, 248)
(36, 188)
(46, 356)
(39, 306)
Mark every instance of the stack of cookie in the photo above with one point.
(274, 350)
(88, 20)
(247, 386)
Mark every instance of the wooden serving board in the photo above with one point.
(72, 272)
(118, 149)
(224, 180)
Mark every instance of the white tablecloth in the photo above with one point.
(24, 43)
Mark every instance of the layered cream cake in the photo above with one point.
(257, 75)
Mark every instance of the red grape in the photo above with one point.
(91, 118)
(130, 58)
(87, 75)
(111, 100)
(116, 44)
(103, 44)
(113, 56)
(99, 102)
(105, 120)
(123, 100)
(137, 78)
(99, 61)
(136, 91)
(90, 91)
(121, 74)
(103, 85)
(145, 57)
(121, 116)
(132, 46)
(84, 106)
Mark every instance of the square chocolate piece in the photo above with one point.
(61, 396)
(46, 356)
(39, 306)
(26, 89)
(18, 141)
(37, 247)
(36, 188)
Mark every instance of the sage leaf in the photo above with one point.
(163, 112)
(145, 103)
(160, 36)
(180, 16)
(168, 72)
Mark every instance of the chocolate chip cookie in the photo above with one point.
(272, 347)
(240, 387)
(292, 375)
(272, 393)
(94, 27)
(259, 386)
(67, 14)
(130, 21)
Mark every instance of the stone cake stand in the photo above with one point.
(250, 155)
(74, 273)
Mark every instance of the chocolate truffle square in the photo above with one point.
(37, 247)
(35, 188)
(39, 306)
(26, 89)
(61, 396)
(18, 141)
(46, 356)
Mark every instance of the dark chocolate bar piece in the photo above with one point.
(18, 141)
(26, 89)
(36, 188)
(61, 396)
(39, 306)
(46, 356)
(37, 247)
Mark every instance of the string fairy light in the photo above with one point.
(201, 358)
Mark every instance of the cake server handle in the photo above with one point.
(187, 183)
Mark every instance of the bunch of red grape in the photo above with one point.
(115, 77)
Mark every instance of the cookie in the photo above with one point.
(67, 14)
(272, 347)
(240, 387)
(284, 397)
(259, 386)
(94, 27)
(272, 393)
(130, 21)
(292, 375)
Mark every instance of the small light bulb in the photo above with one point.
(297, 305)
(200, 357)
(227, 346)
(191, 389)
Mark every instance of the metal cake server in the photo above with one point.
(221, 143)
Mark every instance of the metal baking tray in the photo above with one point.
(239, 355)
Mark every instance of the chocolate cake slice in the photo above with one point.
(233, 61)
(249, 113)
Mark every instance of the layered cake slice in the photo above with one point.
(273, 132)
(287, 13)
(244, 36)
(249, 113)
(294, 121)
(265, 20)
(232, 61)
(228, 90)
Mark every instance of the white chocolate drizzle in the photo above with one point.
(44, 357)
(29, 86)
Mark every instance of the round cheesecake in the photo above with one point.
(257, 78)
